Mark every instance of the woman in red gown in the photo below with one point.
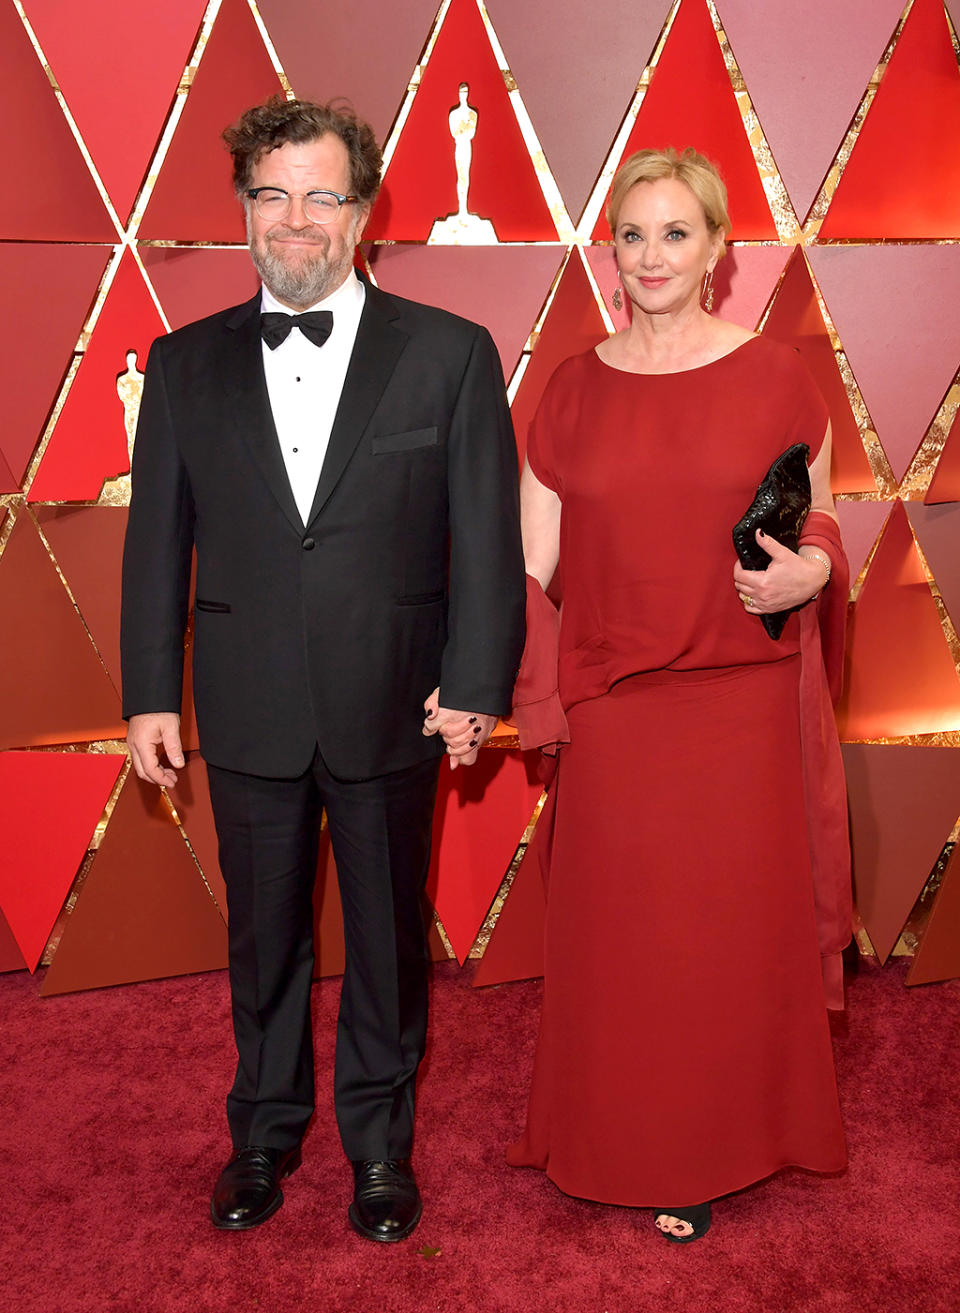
(695, 845)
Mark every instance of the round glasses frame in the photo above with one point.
(319, 206)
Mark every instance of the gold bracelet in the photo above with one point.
(814, 554)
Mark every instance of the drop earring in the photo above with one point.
(707, 294)
(617, 299)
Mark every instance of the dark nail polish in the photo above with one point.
(473, 743)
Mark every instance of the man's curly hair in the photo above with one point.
(266, 127)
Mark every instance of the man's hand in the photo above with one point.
(146, 736)
(464, 732)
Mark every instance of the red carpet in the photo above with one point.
(113, 1133)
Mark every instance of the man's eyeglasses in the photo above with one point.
(273, 203)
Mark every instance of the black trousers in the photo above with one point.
(380, 830)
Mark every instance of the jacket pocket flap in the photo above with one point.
(405, 441)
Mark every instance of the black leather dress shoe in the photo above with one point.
(248, 1189)
(386, 1202)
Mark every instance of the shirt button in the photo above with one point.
(308, 544)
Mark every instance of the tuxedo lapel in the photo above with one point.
(376, 351)
(246, 387)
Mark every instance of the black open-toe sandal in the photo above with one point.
(698, 1215)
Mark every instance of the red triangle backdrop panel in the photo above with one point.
(938, 532)
(30, 378)
(420, 183)
(11, 959)
(8, 483)
(482, 812)
(41, 153)
(903, 176)
(807, 67)
(573, 324)
(50, 803)
(897, 310)
(145, 54)
(191, 798)
(860, 523)
(577, 67)
(331, 51)
(89, 443)
(515, 950)
(53, 688)
(900, 675)
(938, 957)
(904, 801)
(945, 484)
(143, 911)
(192, 283)
(691, 102)
(795, 318)
(193, 199)
(501, 287)
(88, 544)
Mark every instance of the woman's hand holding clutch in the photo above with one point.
(790, 580)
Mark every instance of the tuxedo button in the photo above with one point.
(308, 544)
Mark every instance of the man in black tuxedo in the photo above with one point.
(348, 482)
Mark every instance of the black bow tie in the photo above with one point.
(315, 324)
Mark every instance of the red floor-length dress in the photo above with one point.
(684, 1049)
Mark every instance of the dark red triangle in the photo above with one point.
(50, 803)
(38, 334)
(573, 324)
(691, 102)
(90, 442)
(900, 675)
(193, 199)
(945, 484)
(53, 688)
(938, 957)
(938, 532)
(420, 182)
(902, 179)
(145, 54)
(143, 910)
(501, 287)
(42, 157)
(860, 524)
(11, 959)
(903, 805)
(193, 282)
(87, 542)
(795, 317)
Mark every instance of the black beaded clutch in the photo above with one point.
(779, 509)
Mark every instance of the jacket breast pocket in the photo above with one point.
(217, 608)
(408, 441)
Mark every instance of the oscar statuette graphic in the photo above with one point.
(116, 491)
(463, 228)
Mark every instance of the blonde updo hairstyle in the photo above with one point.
(689, 167)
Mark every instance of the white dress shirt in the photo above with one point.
(304, 383)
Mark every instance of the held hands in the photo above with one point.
(464, 732)
(146, 736)
(789, 580)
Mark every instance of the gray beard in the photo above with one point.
(298, 285)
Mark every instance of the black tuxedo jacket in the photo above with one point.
(408, 575)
